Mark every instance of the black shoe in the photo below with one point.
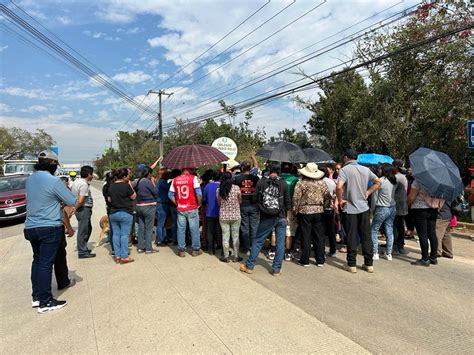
(421, 262)
(434, 261)
(52, 305)
(224, 260)
(71, 283)
(236, 259)
(402, 250)
(86, 256)
(303, 265)
(331, 255)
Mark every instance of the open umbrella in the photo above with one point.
(193, 156)
(373, 159)
(316, 155)
(437, 173)
(284, 152)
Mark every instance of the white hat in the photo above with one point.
(48, 154)
(311, 170)
(231, 164)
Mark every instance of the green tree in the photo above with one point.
(19, 143)
(422, 97)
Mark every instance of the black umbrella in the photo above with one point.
(284, 152)
(316, 155)
(436, 173)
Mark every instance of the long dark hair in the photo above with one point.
(389, 172)
(225, 186)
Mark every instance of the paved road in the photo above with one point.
(165, 303)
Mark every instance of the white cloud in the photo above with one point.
(163, 76)
(64, 20)
(3, 48)
(5, 108)
(29, 93)
(130, 31)
(35, 108)
(133, 77)
(98, 34)
(127, 60)
(153, 62)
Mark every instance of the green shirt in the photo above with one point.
(291, 180)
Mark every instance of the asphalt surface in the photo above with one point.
(400, 308)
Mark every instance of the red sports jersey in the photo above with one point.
(184, 192)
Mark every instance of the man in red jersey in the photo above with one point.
(185, 192)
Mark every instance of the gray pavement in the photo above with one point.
(165, 304)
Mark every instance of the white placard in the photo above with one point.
(226, 146)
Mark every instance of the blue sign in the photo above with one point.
(55, 149)
(470, 134)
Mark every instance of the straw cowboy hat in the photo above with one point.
(231, 164)
(311, 171)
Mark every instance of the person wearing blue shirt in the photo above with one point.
(45, 194)
(209, 199)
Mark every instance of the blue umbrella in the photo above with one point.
(373, 159)
(436, 173)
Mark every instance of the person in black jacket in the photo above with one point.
(273, 199)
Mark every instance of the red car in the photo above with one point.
(12, 197)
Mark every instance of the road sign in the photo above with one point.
(470, 134)
(226, 146)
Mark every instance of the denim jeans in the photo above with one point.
(121, 223)
(192, 217)
(250, 216)
(146, 220)
(383, 216)
(45, 242)
(61, 270)
(162, 210)
(230, 229)
(84, 229)
(174, 227)
(265, 227)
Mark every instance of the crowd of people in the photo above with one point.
(233, 212)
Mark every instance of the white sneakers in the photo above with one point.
(387, 256)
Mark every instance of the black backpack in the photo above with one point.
(270, 201)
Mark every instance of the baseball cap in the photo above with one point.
(48, 154)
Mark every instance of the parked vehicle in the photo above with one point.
(12, 197)
(15, 167)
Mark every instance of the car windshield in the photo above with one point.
(13, 183)
(19, 168)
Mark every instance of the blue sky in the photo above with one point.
(139, 44)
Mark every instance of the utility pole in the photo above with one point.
(160, 116)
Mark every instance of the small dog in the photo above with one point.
(104, 228)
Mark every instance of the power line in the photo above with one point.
(294, 53)
(249, 103)
(69, 57)
(254, 46)
(310, 56)
(216, 43)
(235, 43)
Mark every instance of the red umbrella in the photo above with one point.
(193, 156)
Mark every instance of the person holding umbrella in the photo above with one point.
(425, 209)
(437, 180)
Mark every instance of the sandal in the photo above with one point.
(117, 260)
(343, 250)
(126, 260)
(152, 251)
